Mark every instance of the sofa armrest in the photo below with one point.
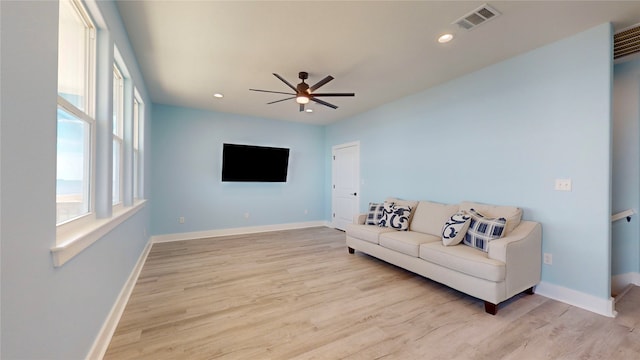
(359, 219)
(521, 251)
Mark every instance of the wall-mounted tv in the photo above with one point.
(248, 163)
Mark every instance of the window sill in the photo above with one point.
(72, 242)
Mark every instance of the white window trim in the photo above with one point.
(67, 106)
(118, 135)
(138, 186)
(86, 230)
(75, 235)
(88, 114)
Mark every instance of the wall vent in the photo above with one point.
(626, 42)
(477, 17)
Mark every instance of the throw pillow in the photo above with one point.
(455, 228)
(375, 213)
(482, 230)
(395, 216)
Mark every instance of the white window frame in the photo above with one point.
(73, 236)
(138, 131)
(118, 134)
(87, 115)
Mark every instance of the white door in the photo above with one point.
(345, 172)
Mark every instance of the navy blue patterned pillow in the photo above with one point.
(395, 216)
(375, 213)
(455, 228)
(482, 230)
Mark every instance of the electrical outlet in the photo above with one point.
(548, 259)
(181, 219)
(306, 212)
(246, 215)
(563, 185)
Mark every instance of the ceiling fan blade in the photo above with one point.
(335, 94)
(286, 82)
(323, 103)
(277, 101)
(320, 83)
(301, 107)
(269, 91)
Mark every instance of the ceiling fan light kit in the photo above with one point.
(303, 93)
(301, 99)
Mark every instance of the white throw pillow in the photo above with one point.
(455, 228)
(395, 216)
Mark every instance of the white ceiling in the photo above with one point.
(381, 50)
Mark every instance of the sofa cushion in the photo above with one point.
(511, 213)
(483, 229)
(374, 214)
(397, 201)
(406, 242)
(429, 217)
(464, 259)
(368, 233)
(455, 228)
(395, 216)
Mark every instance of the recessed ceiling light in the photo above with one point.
(445, 38)
(218, 95)
(309, 110)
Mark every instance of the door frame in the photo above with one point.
(333, 176)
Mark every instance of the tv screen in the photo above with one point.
(249, 163)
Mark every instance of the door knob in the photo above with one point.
(354, 194)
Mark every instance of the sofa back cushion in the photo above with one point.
(511, 213)
(429, 217)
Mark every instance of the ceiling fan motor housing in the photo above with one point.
(303, 87)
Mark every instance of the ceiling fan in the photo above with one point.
(304, 93)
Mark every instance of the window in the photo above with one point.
(83, 212)
(118, 125)
(137, 133)
(75, 113)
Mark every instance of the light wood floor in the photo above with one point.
(299, 295)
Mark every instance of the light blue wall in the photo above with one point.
(186, 171)
(625, 239)
(47, 312)
(501, 135)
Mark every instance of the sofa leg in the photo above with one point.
(529, 291)
(490, 308)
(351, 250)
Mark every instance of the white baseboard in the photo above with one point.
(101, 343)
(236, 231)
(576, 298)
(620, 282)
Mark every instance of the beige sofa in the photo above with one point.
(511, 265)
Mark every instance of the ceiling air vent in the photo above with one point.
(477, 17)
(626, 42)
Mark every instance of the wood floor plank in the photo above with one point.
(298, 294)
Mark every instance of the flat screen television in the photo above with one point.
(248, 163)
